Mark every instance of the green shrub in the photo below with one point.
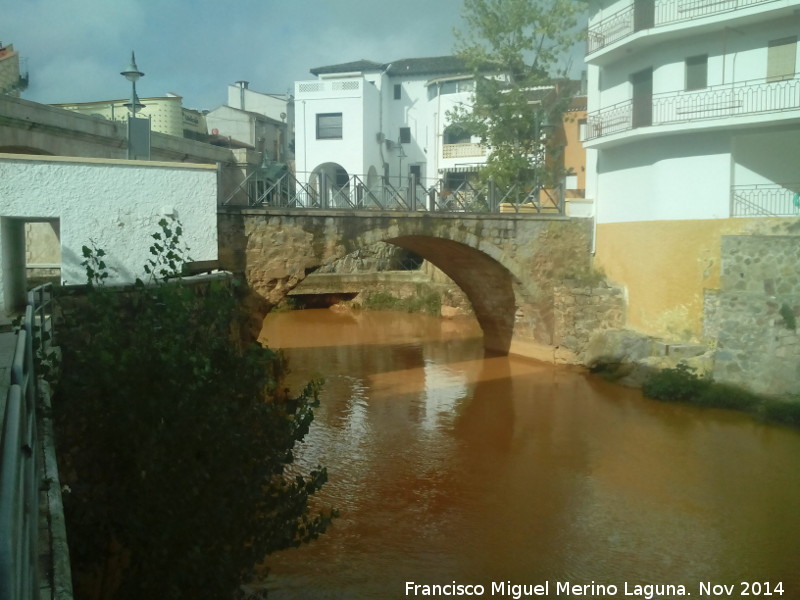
(381, 301)
(683, 384)
(789, 320)
(783, 411)
(174, 439)
(425, 301)
(723, 395)
(680, 383)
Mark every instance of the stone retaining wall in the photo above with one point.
(757, 342)
(582, 310)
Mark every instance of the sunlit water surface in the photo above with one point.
(448, 466)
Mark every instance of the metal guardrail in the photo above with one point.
(20, 462)
(321, 192)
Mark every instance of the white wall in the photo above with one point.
(114, 203)
(371, 115)
(603, 9)
(233, 123)
(369, 111)
(348, 151)
(670, 178)
(265, 104)
(767, 157)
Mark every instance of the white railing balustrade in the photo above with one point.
(464, 150)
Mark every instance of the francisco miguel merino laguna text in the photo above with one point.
(559, 588)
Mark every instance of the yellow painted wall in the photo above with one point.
(574, 152)
(665, 267)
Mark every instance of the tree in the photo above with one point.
(517, 51)
(174, 438)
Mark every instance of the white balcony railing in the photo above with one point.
(465, 150)
(333, 86)
(766, 200)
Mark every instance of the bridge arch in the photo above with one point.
(499, 261)
(488, 285)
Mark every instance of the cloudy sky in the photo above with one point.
(74, 50)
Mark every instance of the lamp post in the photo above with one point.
(138, 129)
(132, 74)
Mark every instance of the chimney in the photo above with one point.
(242, 87)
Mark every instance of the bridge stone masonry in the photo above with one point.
(507, 265)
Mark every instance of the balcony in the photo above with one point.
(731, 101)
(766, 200)
(465, 150)
(657, 14)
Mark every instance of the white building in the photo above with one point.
(384, 122)
(694, 117)
(254, 119)
(115, 204)
(166, 114)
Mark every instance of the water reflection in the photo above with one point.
(450, 466)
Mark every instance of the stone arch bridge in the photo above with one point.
(507, 265)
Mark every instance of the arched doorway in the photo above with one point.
(332, 183)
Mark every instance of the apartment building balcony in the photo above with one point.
(646, 22)
(731, 104)
(463, 150)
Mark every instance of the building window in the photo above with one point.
(582, 130)
(329, 126)
(781, 56)
(405, 135)
(696, 72)
(398, 91)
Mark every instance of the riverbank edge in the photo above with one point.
(680, 372)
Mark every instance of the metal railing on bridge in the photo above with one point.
(325, 193)
(20, 461)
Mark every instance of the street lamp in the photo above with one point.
(132, 74)
(138, 129)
